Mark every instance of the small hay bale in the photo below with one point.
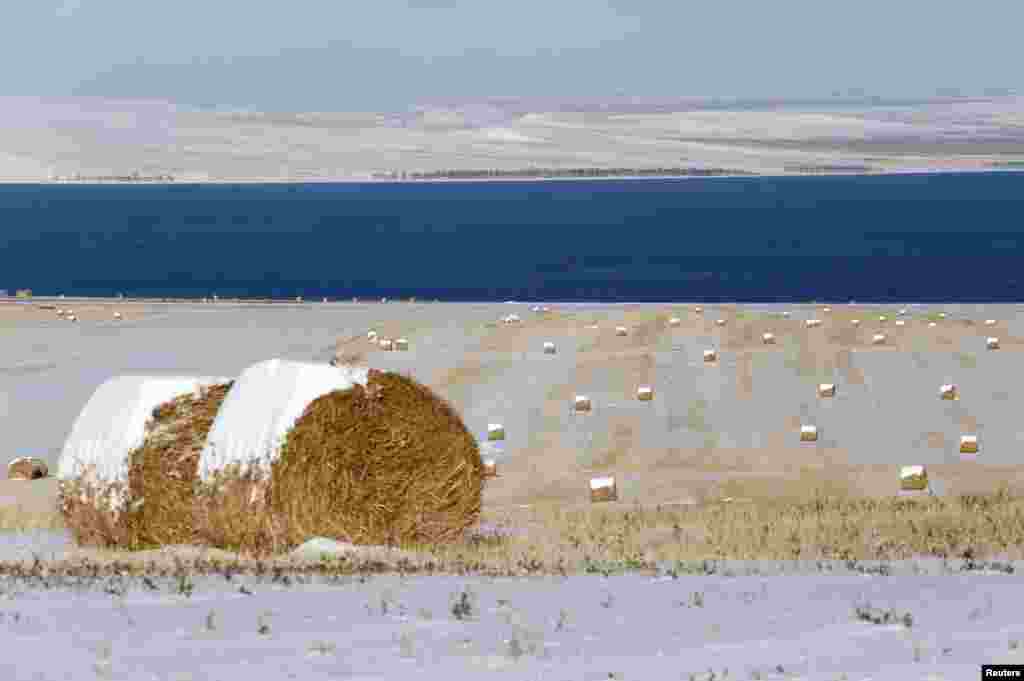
(98, 467)
(603, 489)
(490, 469)
(386, 344)
(992, 343)
(371, 335)
(710, 355)
(913, 478)
(968, 444)
(402, 345)
(808, 433)
(581, 403)
(675, 321)
(768, 338)
(826, 310)
(786, 314)
(990, 322)
(60, 312)
(549, 348)
(878, 339)
(855, 322)
(644, 393)
(72, 318)
(949, 392)
(900, 322)
(117, 315)
(27, 468)
(827, 390)
(495, 432)
(719, 322)
(932, 325)
(361, 456)
(698, 310)
(621, 331)
(812, 323)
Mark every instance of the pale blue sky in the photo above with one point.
(383, 54)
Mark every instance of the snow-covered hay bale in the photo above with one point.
(990, 322)
(808, 433)
(401, 345)
(490, 469)
(698, 310)
(786, 314)
(117, 315)
(992, 343)
(621, 331)
(386, 344)
(96, 468)
(812, 323)
(878, 339)
(968, 444)
(855, 322)
(827, 390)
(581, 403)
(913, 478)
(27, 468)
(949, 392)
(549, 348)
(900, 322)
(675, 321)
(719, 322)
(710, 355)
(359, 455)
(645, 393)
(371, 335)
(603, 489)
(932, 325)
(768, 338)
(826, 310)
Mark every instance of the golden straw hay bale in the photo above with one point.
(808, 433)
(386, 463)
(949, 392)
(645, 393)
(969, 444)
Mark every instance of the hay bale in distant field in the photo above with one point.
(359, 455)
(719, 322)
(710, 355)
(621, 331)
(878, 339)
(698, 310)
(932, 325)
(949, 392)
(968, 444)
(401, 345)
(900, 322)
(94, 467)
(117, 315)
(992, 343)
(913, 478)
(490, 469)
(768, 338)
(495, 432)
(549, 348)
(812, 323)
(855, 322)
(27, 468)
(645, 393)
(603, 489)
(386, 344)
(990, 322)
(826, 310)
(581, 403)
(808, 433)
(675, 321)
(827, 390)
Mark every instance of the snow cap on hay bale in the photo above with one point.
(992, 343)
(900, 322)
(360, 455)
(808, 433)
(932, 325)
(549, 348)
(117, 315)
(621, 331)
(827, 390)
(603, 489)
(826, 310)
(855, 322)
(675, 321)
(698, 309)
(710, 355)
(644, 393)
(401, 344)
(878, 339)
(490, 469)
(768, 338)
(94, 464)
(948, 392)
(812, 323)
(387, 344)
(719, 322)
(581, 403)
(913, 478)
(990, 322)
(27, 468)
(968, 444)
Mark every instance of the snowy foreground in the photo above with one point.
(931, 626)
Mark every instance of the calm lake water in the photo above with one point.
(922, 237)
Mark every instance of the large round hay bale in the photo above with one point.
(362, 456)
(93, 466)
